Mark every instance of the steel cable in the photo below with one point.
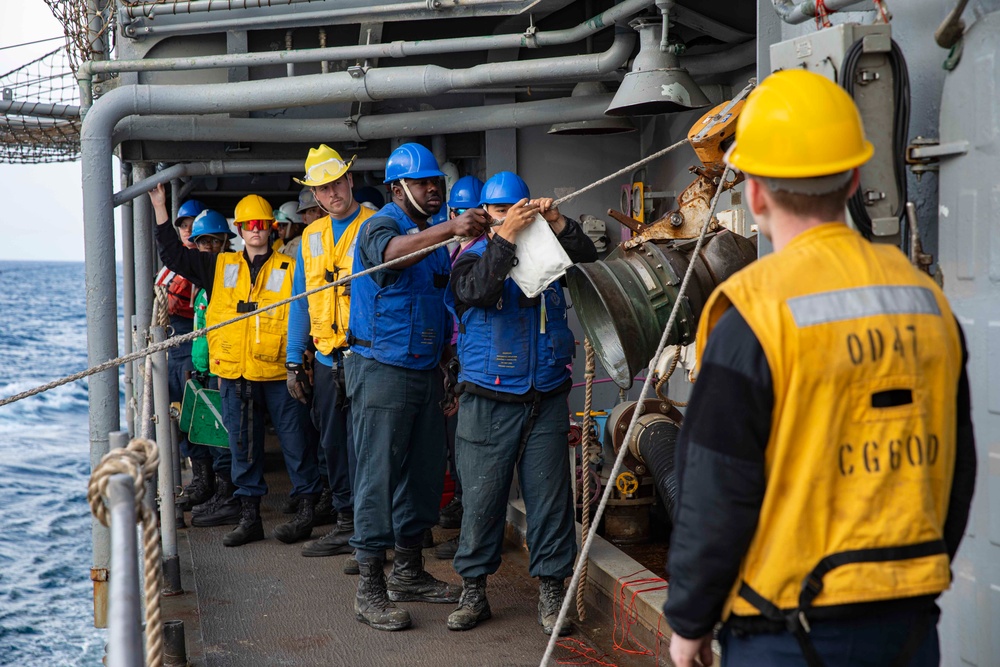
(585, 551)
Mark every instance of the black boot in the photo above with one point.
(371, 604)
(550, 599)
(209, 505)
(428, 542)
(324, 513)
(225, 511)
(473, 607)
(351, 565)
(336, 541)
(202, 486)
(446, 550)
(409, 580)
(250, 528)
(451, 514)
(301, 526)
(289, 505)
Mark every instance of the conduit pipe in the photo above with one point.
(134, 10)
(96, 151)
(223, 167)
(398, 49)
(793, 13)
(396, 11)
(366, 128)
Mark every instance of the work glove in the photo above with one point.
(297, 381)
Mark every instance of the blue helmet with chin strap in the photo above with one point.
(411, 161)
(190, 209)
(465, 193)
(504, 187)
(210, 222)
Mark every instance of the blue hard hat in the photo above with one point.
(411, 161)
(210, 222)
(504, 187)
(190, 209)
(465, 193)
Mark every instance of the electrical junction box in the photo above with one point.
(823, 52)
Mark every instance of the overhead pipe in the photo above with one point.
(315, 89)
(222, 168)
(793, 13)
(398, 49)
(365, 128)
(151, 9)
(396, 11)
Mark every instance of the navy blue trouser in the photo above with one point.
(488, 448)
(400, 444)
(178, 365)
(868, 641)
(335, 434)
(287, 416)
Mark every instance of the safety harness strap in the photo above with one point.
(795, 620)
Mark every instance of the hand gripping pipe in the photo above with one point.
(398, 49)
(96, 151)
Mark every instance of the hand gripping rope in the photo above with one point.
(178, 340)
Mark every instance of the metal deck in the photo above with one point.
(264, 604)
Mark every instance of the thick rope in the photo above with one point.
(178, 340)
(139, 461)
(666, 377)
(585, 453)
(161, 306)
(585, 551)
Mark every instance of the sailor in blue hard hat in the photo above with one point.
(399, 333)
(513, 385)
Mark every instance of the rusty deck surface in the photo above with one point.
(265, 604)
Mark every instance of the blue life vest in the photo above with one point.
(511, 347)
(405, 323)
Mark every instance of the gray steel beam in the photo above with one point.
(125, 626)
(128, 296)
(221, 167)
(384, 126)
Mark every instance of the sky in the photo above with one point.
(42, 204)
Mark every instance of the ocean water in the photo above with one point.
(46, 607)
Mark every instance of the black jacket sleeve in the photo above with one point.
(964, 479)
(477, 280)
(720, 473)
(196, 266)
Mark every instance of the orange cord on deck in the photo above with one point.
(586, 654)
(628, 643)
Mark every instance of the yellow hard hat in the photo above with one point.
(798, 124)
(253, 207)
(324, 165)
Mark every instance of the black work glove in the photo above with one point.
(297, 381)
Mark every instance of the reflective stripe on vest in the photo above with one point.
(324, 262)
(865, 357)
(253, 348)
(520, 343)
(405, 323)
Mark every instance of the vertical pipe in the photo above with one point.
(168, 526)
(128, 296)
(125, 636)
(175, 199)
(118, 439)
(290, 67)
(144, 249)
(102, 339)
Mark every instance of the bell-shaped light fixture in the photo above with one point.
(657, 83)
(606, 125)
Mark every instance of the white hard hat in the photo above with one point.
(290, 209)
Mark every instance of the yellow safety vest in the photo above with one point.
(253, 348)
(865, 358)
(324, 262)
